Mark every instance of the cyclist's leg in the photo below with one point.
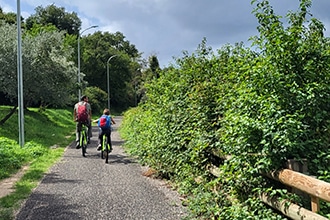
(78, 133)
(89, 133)
(83, 137)
(83, 130)
(107, 146)
(100, 139)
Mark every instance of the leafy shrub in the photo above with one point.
(260, 105)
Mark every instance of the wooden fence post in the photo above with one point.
(301, 167)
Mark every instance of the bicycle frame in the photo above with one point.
(106, 149)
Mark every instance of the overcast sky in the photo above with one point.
(167, 27)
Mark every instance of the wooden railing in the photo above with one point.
(315, 188)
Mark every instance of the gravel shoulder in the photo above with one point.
(88, 188)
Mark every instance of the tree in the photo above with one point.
(150, 71)
(154, 65)
(48, 75)
(8, 60)
(96, 49)
(51, 76)
(57, 16)
(9, 18)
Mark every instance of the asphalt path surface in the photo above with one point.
(88, 188)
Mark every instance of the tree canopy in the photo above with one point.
(50, 60)
(57, 16)
(96, 50)
(9, 17)
(46, 67)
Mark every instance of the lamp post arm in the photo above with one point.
(79, 34)
(108, 79)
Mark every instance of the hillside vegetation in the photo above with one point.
(47, 133)
(261, 105)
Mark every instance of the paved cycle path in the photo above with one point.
(88, 188)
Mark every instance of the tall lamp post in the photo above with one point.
(20, 77)
(108, 79)
(79, 91)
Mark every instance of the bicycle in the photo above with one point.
(83, 139)
(106, 148)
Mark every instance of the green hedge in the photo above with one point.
(261, 105)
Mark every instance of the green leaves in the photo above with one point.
(46, 66)
(261, 108)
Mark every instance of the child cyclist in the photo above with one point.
(104, 123)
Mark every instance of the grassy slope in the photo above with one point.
(38, 125)
(47, 133)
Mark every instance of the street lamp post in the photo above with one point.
(79, 91)
(20, 77)
(108, 79)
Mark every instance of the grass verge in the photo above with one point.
(47, 134)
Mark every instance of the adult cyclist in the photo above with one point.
(82, 114)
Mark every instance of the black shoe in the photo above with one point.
(88, 141)
(78, 146)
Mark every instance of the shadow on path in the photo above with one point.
(43, 206)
